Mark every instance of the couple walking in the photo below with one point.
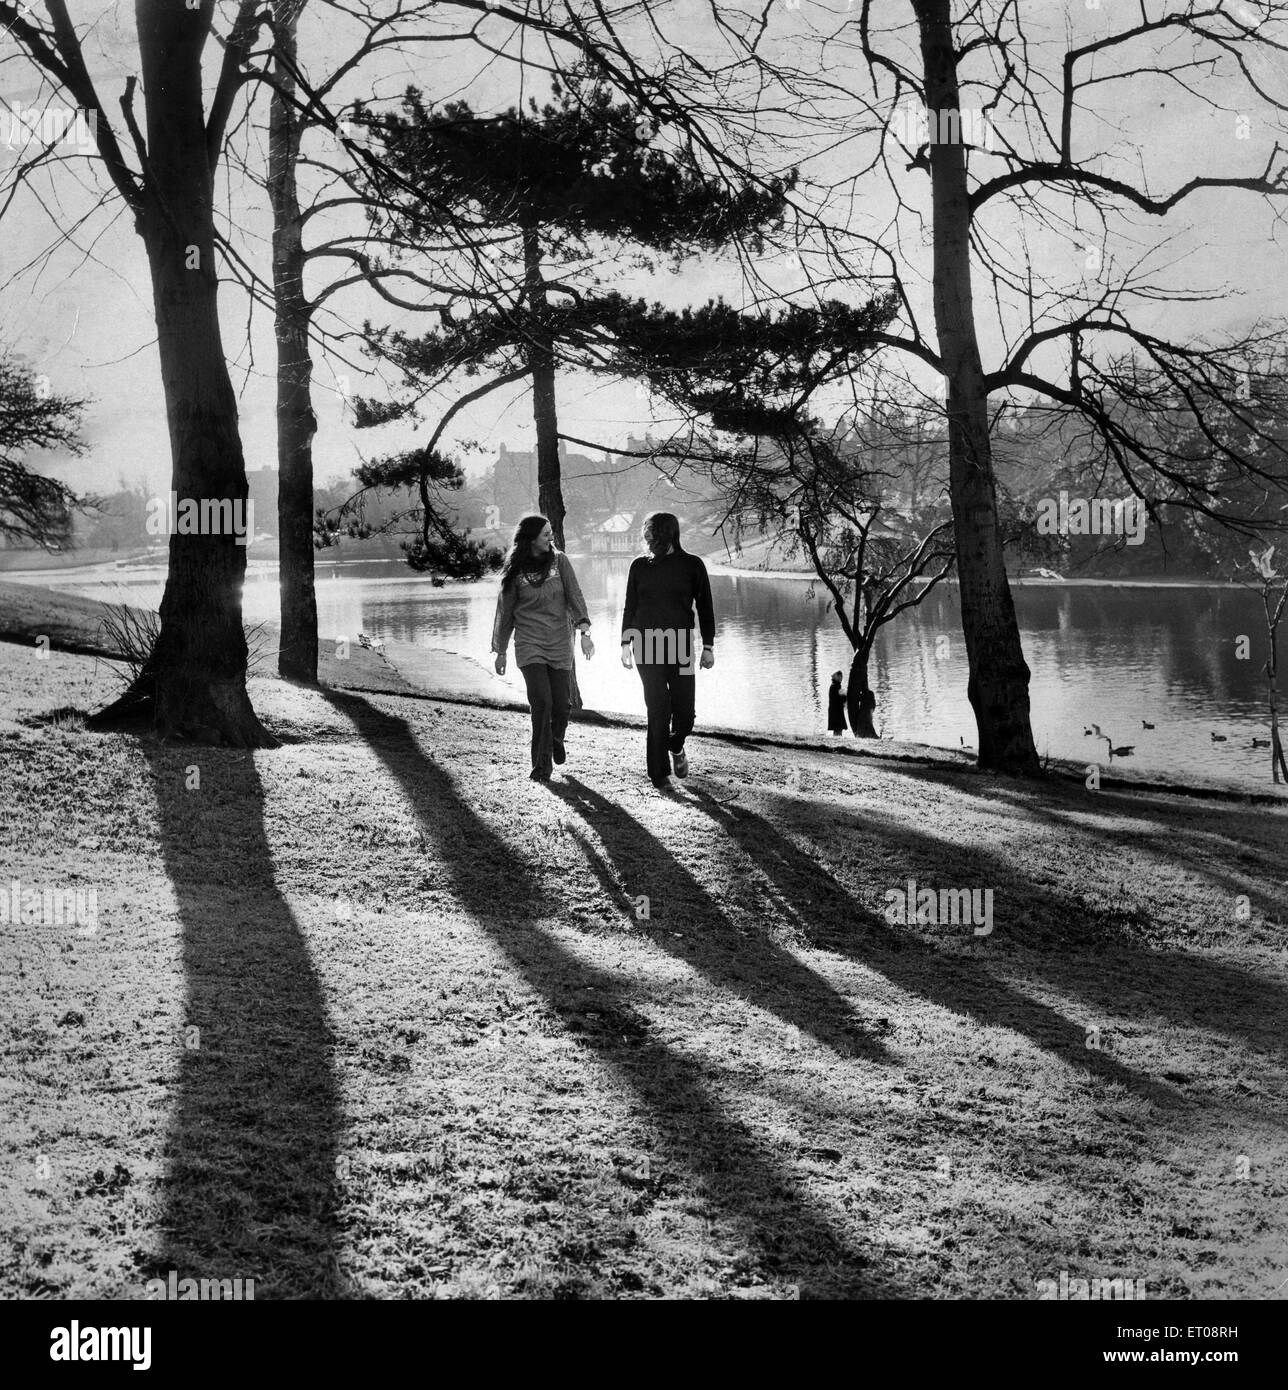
(541, 602)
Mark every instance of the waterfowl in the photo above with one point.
(1219, 738)
(1145, 724)
(1124, 752)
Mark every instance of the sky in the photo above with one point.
(75, 298)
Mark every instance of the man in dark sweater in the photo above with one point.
(657, 635)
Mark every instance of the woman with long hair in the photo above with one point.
(662, 589)
(539, 604)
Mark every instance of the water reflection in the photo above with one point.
(1108, 656)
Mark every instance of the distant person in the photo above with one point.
(662, 589)
(540, 602)
(836, 706)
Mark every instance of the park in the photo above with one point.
(919, 931)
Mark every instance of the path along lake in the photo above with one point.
(1113, 655)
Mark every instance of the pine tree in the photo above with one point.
(556, 188)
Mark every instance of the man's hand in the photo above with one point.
(500, 663)
(708, 659)
(628, 655)
(587, 646)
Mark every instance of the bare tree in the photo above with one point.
(974, 131)
(1272, 588)
(194, 682)
(874, 562)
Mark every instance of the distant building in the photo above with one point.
(263, 492)
(516, 493)
(514, 486)
(616, 536)
(595, 490)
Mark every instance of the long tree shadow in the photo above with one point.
(764, 1204)
(1096, 952)
(251, 1149)
(826, 912)
(1055, 801)
(1256, 844)
(745, 962)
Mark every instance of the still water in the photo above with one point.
(1113, 656)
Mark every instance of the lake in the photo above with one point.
(1105, 654)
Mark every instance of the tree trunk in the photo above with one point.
(860, 702)
(998, 687)
(296, 423)
(1277, 763)
(193, 684)
(541, 363)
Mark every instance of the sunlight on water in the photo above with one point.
(1110, 656)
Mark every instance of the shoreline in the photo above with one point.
(152, 572)
(716, 567)
(456, 681)
(434, 673)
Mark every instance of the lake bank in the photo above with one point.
(74, 624)
(49, 573)
(1173, 674)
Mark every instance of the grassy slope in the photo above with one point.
(441, 1053)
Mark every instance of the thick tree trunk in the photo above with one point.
(860, 702)
(194, 682)
(541, 363)
(296, 422)
(998, 687)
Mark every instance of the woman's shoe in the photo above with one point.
(681, 761)
(538, 775)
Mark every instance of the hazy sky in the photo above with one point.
(81, 312)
